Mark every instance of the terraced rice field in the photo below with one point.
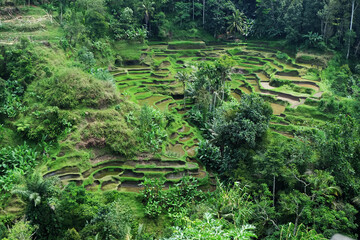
(153, 83)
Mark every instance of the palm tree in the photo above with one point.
(182, 77)
(223, 70)
(236, 22)
(148, 8)
(33, 189)
(39, 195)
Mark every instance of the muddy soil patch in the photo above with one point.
(107, 172)
(103, 165)
(64, 170)
(130, 173)
(154, 169)
(93, 186)
(177, 175)
(69, 176)
(186, 138)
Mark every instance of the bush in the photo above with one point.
(47, 123)
(151, 129)
(103, 48)
(3, 230)
(209, 155)
(75, 209)
(186, 45)
(86, 57)
(211, 228)
(113, 221)
(72, 88)
(20, 65)
(283, 57)
(115, 134)
(110, 128)
(21, 230)
(21, 158)
(72, 234)
(275, 82)
(103, 74)
(175, 200)
(331, 105)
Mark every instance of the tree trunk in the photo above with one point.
(325, 32)
(357, 48)
(61, 13)
(296, 224)
(146, 21)
(184, 96)
(223, 86)
(203, 13)
(193, 10)
(214, 105)
(274, 191)
(222, 149)
(351, 23)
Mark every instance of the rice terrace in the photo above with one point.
(179, 119)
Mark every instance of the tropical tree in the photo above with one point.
(40, 196)
(182, 77)
(327, 16)
(236, 22)
(353, 8)
(290, 232)
(207, 86)
(148, 8)
(212, 229)
(318, 205)
(62, 7)
(22, 230)
(240, 23)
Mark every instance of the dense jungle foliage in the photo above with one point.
(170, 119)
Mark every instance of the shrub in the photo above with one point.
(21, 158)
(39, 195)
(211, 228)
(113, 221)
(72, 234)
(20, 65)
(21, 230)
(103, 74)
(151, 128)
(109, 128)
(86, 57)
(75, 209)
(72, 88)
(175, 200)
(116, 134)
(186, 45)
(329, 105)
(283, 57)
(47, 123)
(275, 82)
(209, 154)
(103, 48)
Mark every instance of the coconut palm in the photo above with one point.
(182, 77)
(236, 22)
(39, 195)
(33, 189)
(148, 8)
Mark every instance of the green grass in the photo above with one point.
(186, 45)
(129, 51)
